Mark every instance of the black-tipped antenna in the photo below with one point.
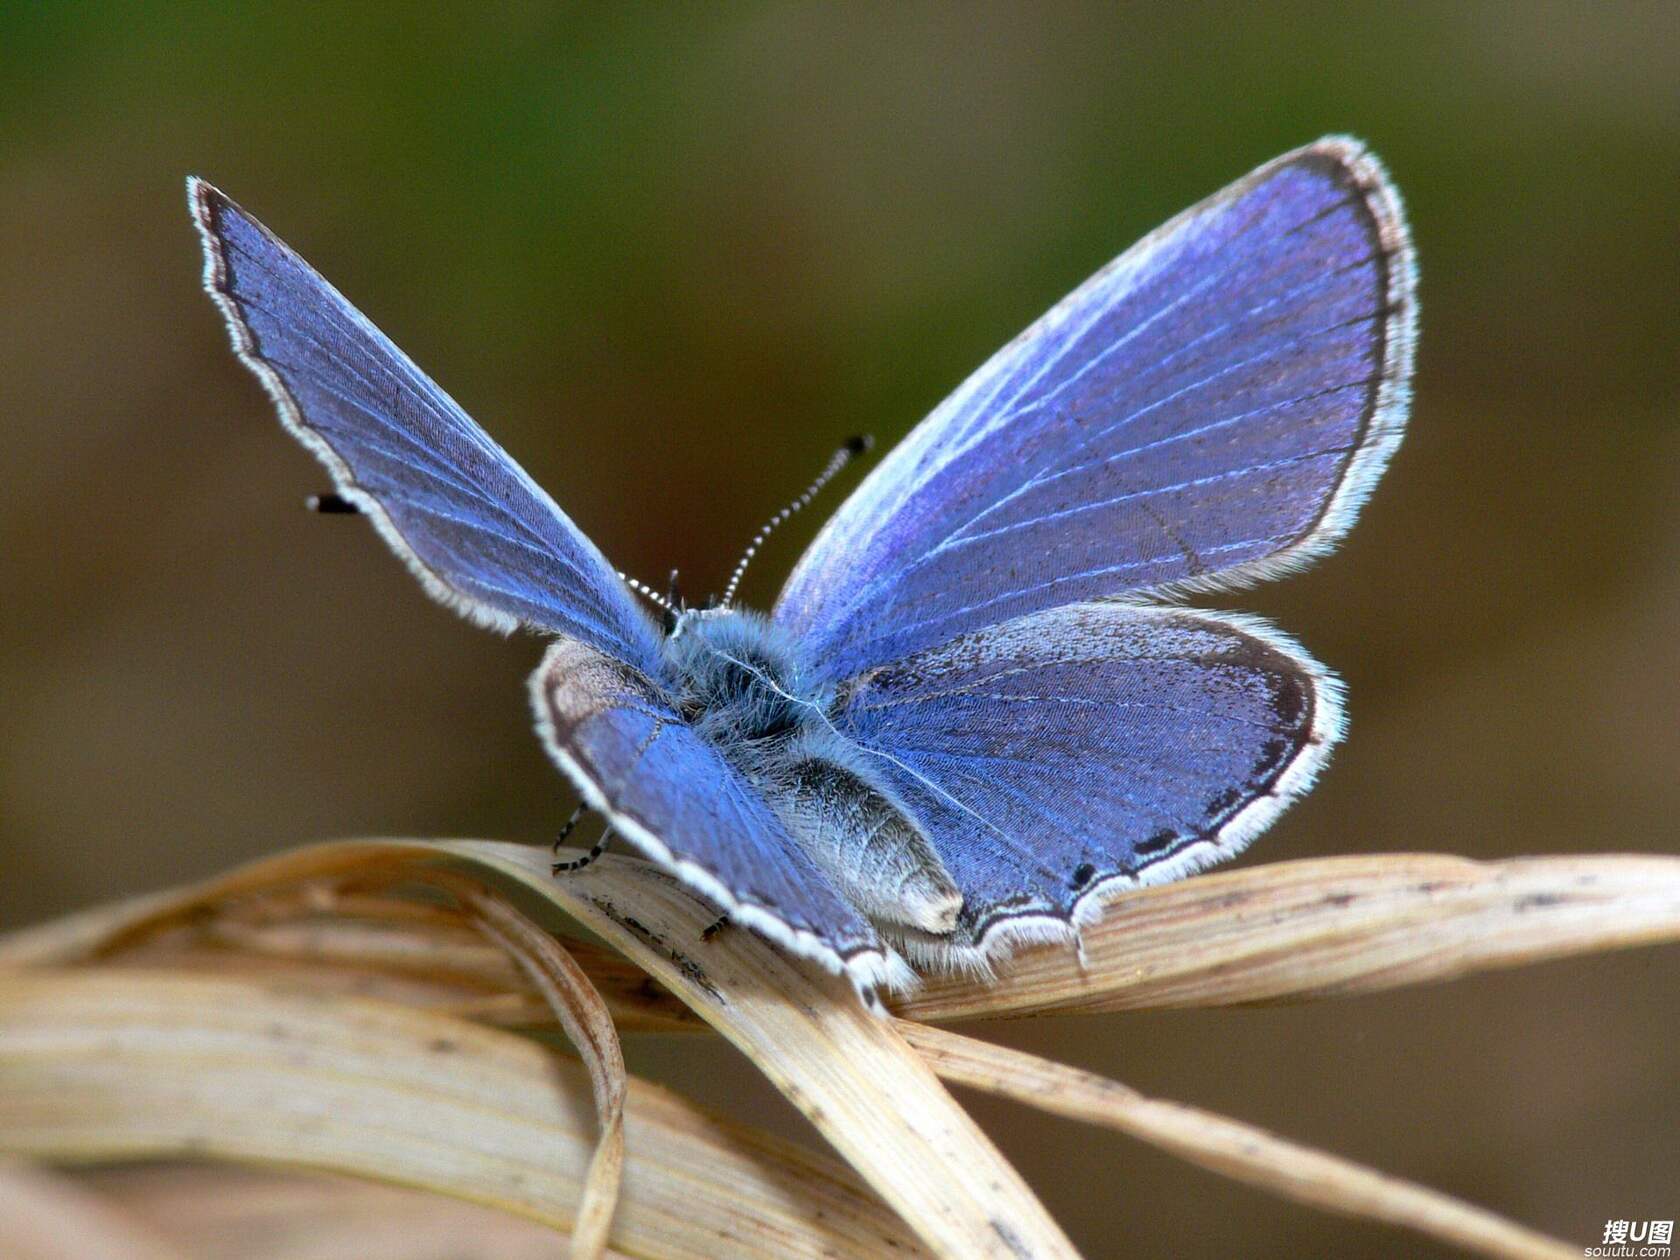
(846, 454)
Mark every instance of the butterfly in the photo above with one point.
(979, 707)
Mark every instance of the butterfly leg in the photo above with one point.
(710, 933)
(569, 826)
(577, 864)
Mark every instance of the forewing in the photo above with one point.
(1087, 748)
(672, 796)
(480, 535)
(1207, 410)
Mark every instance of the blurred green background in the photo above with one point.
(671, 256)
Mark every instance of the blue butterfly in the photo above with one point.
(976, 710)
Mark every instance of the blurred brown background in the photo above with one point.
(670, 257)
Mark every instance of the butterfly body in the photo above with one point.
(737, 680)
(976, 710)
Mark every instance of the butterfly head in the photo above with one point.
(736, 676)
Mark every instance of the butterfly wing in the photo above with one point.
(1087, 748)
(480, 535)
(485, 539)
(1208, 410)
(677, 800)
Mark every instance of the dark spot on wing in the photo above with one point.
(1160, 842)
(1222, 802)
(1272, 752)
(1289, 700)
(1083, 875)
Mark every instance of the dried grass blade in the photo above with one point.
(516, 1006)
(1226, 1146)
(1285, 931)
(851, 1075)
(248, 909)
(865, 1090)
(1327, 927)
(374, 947)
(587, 1024)
(229, 1212)
(99, 1064)
(79, 936)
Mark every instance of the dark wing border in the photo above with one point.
(1008, 928)
(808, 599)
(1384, 422)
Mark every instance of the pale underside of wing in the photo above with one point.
(675, 798)
(1210, 409)
(480, 535)
(1056, 759)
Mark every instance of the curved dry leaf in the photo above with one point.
(1228, 1147)
(853, 1077)
(233, 1212)
(587, 1024)
(99, 1064)
(862, 1087)
(367, 946)
(286, 917)
(78, 936)
(1289, 930)
(1324, 927)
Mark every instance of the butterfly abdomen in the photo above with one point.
(863, 841)
(737, 682)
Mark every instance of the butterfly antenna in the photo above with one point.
(648, 593)
(845, 455)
